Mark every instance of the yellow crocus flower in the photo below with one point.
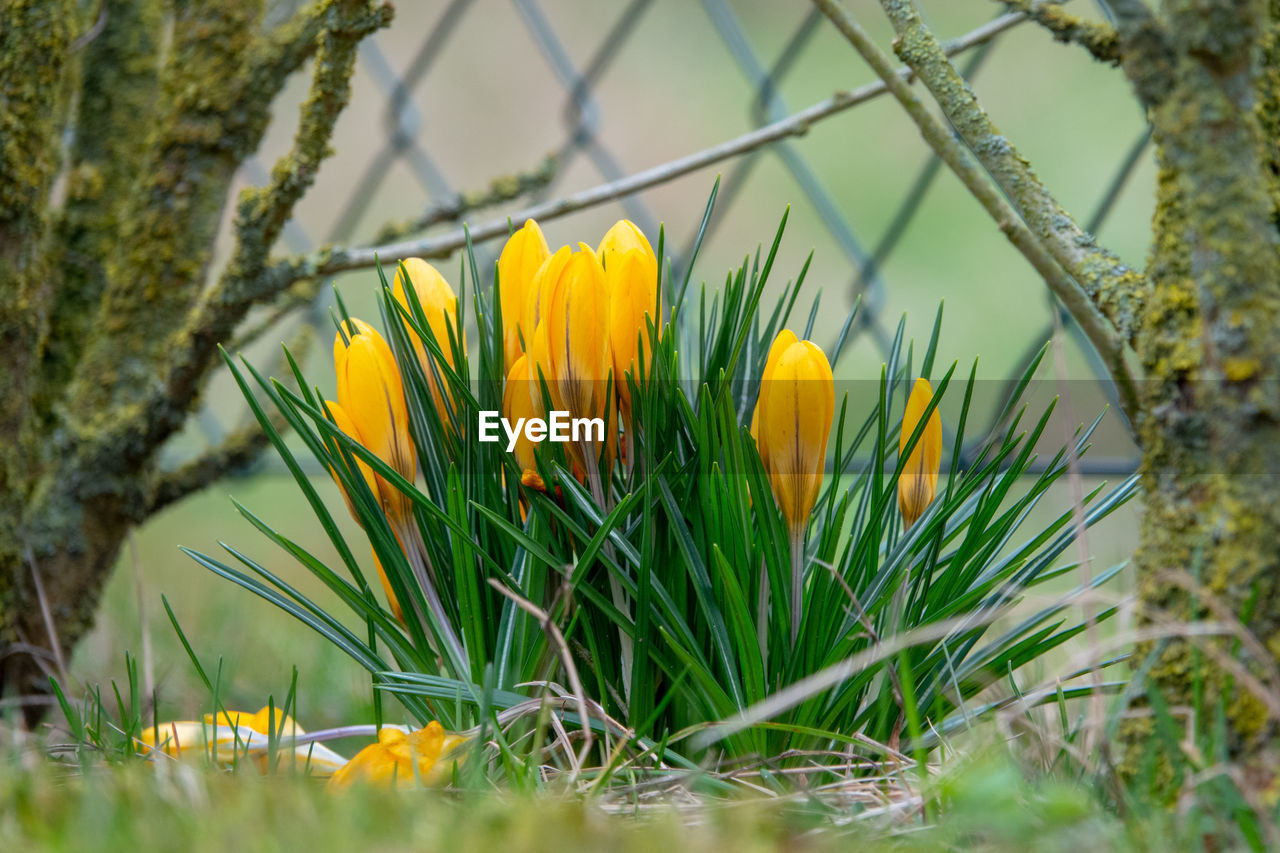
(624, 236)
(797, 406)
(535, 300)
(918, 482)
(518, 402)
(793, 422)
(632, 278)
(371, 395)
(439, 304)
(523, 255)
(573, 350)
(343, 422)
(425, 757)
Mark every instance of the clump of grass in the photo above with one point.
(643, 596)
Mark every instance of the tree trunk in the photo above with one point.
(1210, 429)
(108, 325)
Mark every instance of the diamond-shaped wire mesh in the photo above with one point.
(574, 47)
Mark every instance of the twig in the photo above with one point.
(237, 450)
(501, 189)
(335, 259)
(1075, 485)
(1102, 41)
(50, 627)
(1101, 334)
(562, 647)
(144, 623)
(1116, 289)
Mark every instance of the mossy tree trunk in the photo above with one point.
(109, 323)
(1202, 321)
(1209, 342)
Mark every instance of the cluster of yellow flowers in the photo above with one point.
(428, 756)
(554, 307)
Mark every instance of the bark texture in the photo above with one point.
(109, 322)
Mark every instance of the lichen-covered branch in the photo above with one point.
(1100, 333)
(34, 40)
(237, 450)
(115, 115)
(261, 214)
(151, 167)
(1113, 286)
(205, 125)
(1099, 39)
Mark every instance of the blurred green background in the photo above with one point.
(491, 104)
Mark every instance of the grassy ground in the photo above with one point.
(982, 804)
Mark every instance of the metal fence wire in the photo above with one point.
(583, 116)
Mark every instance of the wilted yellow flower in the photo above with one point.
(794, 412)
(918, 482)
(517, 403)
(371, 395)
(240, 736)
(523, 255)
(632, 278)
(425, 757)
(440, 305)
(343, 422)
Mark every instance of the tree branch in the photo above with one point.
(115, 116)
(334, 259)
(971, 174)
(206, 122)
(261, 214)
(501, 189)
(34, 41)
(1102, 41)
(236, 451)
(1114, 287)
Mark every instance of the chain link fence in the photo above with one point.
(579, 61)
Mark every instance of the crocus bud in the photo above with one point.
(797, 403)
(784, 340)
(624, 236)
(518, 403)
(918, 482)
(439, 304)
(576, 323)
(343, 422)
(371, 395)
(535, 300)
(521, 258)
(632, 278)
